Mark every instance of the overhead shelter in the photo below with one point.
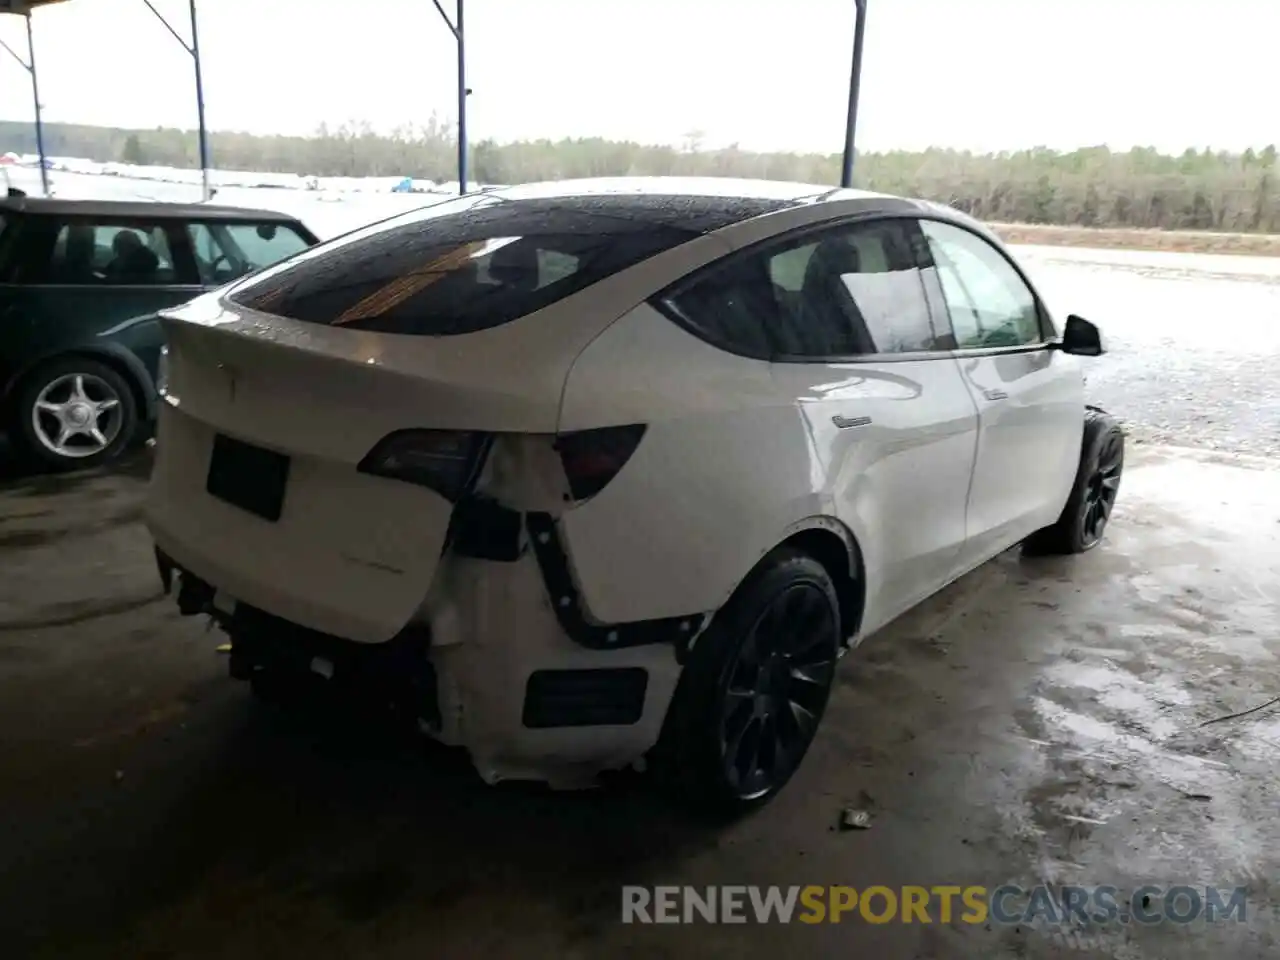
(23, 8)
(456, 26)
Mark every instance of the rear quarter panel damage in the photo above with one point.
(725, 468)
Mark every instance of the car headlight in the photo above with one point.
(162, 371)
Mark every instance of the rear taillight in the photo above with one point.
(446, 461)
(592, 458)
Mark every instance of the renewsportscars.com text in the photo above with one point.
(1008, 904)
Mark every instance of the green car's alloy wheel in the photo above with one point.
(76, 412)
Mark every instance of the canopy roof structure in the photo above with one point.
(455, 24)
(24, 7)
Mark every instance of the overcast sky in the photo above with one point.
(769, 74)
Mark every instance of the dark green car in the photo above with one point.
(80, 281)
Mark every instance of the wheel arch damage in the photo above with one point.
(833, 545)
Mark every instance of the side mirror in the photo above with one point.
(1081, 338)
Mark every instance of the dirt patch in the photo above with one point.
(1173, 241)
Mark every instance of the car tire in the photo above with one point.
(757, 680)
(73, 394)
(1083, 521)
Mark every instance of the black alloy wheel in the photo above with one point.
(1101, 489)
(775, 691)
(1084, 518)
(753, 690)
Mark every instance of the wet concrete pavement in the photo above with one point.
(1040, 721)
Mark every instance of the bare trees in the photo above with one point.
(1093, 186)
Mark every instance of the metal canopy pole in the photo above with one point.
(851, 122)
(30, 66)
(455, 27)
(193, 48)
(35, 95)
(204, 131)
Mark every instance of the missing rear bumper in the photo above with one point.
(567, 603)
(498, 676)
(483, 529)
(398, 673)
(486, 530)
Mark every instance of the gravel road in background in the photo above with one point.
(1194, 341)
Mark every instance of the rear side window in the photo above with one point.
(460, 266)
(225, 251)
(93, 253)
(849, 290)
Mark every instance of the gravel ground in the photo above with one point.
(1194, 341)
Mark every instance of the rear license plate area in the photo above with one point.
(248, 477)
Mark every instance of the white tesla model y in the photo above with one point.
(583, 474)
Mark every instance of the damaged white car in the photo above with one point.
(584, 474)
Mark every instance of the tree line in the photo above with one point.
(1093, 186)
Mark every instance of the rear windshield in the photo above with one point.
(466, 264)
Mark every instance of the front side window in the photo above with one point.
(93, 253)
(847, 291)
(461, 266)
(226, 251)
(989, 302)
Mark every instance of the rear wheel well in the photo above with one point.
(830, 550)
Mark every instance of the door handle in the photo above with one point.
(995, 394)
(845, 423)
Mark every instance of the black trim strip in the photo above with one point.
(968, 352)
(567, 603)
(841, 359)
